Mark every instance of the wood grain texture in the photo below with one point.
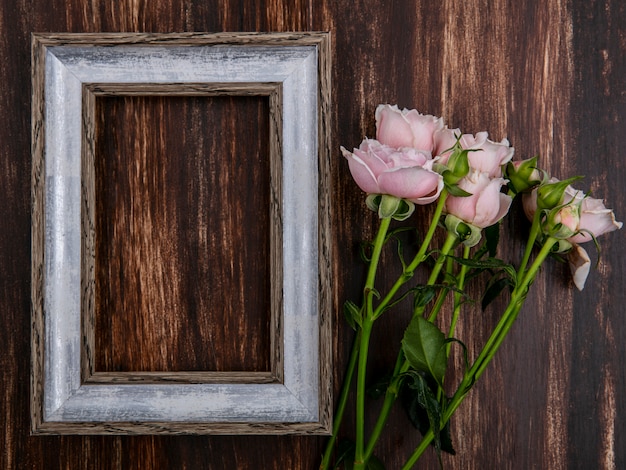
(509, 69)
(171, 248)
(549, 75)
(253, 357)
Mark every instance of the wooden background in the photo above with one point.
(171, 238)
(549, 75)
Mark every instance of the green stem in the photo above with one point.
(379, 241)
(366, 330)
(457, 309)
(489, 350)
(535, 229)
(406, 275)
(426, 440)
(343, 400)
(417, 259)
(515, 305)
(359, 459)
(457, 298)
(448, 245)
(390, 397)
(441, 298)
(402, 365)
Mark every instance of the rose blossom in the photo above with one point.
(593, 220)
(406, 128)
(485, 206)
(594, 216)
(404, 173)
(486, 156)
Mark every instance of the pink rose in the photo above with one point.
(486, 205)
(488, 157)
(585, 217)
(406, 128)
(404, 173)
(594, 218)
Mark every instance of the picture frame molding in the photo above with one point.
(69, 72)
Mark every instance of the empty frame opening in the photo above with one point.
(182, 224)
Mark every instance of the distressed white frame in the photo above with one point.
(62, 402)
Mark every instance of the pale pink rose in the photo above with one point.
(592, 218)
(405, 173)
(595, 218)
(487, 157)
(486, 205)
(406, 128)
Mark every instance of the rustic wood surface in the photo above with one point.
(548, 75)
(237, 319)
(169, 241)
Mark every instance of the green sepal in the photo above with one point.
(561, 246)
(526, 176)
(388, 206)
(467, 233)
(554, 229)
(458, 162)
(550, 195)
(453, 188)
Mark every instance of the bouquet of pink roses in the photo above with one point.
(416, 160)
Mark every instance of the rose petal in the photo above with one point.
(595, 218)
(406, 128)
(491, 155)
(410, 183)
(361, 173)
(444, 140)
(579, 264)
(430, 198)
(391, 127)
(407, 157)
(423, 128)
(374, 155)
(492, 205)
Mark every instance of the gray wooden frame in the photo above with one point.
(69, 71)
